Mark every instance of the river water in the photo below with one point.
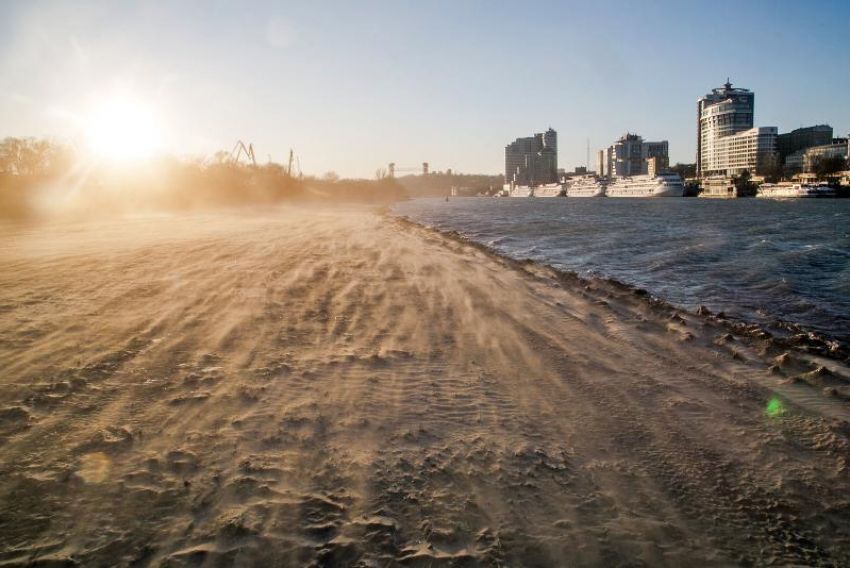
(763, 261)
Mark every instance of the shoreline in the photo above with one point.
(339, 386)
(781, 333)
(819, 356)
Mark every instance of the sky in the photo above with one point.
(352, 86)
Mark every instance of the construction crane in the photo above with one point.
(393, 169)
(238, 150)
(296, 160)
(293, 161)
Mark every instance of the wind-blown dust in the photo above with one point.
(334, 387)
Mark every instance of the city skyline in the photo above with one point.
(354, 88)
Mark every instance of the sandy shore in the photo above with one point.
(333, 387)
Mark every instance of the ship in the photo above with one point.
(661, 185)
(724, 187)
(793, 190)
(548, 190)
(520, 191)
(587, 186)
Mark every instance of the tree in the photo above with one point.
(828, 166)
(685, 171)
(381, 174)
(33, 157)
(331, 177)
(772, 170)
(221, 157)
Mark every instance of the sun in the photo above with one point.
(122, 129)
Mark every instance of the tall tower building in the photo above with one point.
(533, 160)
(723, 112)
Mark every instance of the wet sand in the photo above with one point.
(334, 387)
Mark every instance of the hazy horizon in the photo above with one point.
(351, 88)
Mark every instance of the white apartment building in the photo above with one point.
(750, 150)
(727, 143)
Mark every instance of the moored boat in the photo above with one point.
(548, 190)
(661, 185)
(725, 187)
(520, 191)
(587, 186)
(793, 190)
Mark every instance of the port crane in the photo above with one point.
(393, 169)
(247, 150)
(241, 148)
(292, 157)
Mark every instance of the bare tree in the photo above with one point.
(221, 157)
(33, 157)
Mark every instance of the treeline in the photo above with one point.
(40, 177)
(440, 184)
(827, 169)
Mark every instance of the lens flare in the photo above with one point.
(774, 408)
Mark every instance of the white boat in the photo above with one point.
(724, 188)
(587, 186)
(661, 185)
(793, 190)
(548, 190)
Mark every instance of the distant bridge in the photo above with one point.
(393, 169)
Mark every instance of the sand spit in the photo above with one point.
(333, 388)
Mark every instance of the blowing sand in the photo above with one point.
(334, 387)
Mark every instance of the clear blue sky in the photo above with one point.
(352, 86)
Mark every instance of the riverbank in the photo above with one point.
(329, 385)
(782, 265)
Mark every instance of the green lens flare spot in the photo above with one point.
(774, 407)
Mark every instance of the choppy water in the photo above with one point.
(757, 260)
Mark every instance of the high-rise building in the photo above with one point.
(602, 163)
(727, 143)
(532, 161)
(628, 157)
(722, 112)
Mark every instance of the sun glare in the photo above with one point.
(122, 129)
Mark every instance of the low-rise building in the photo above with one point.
(794, 162)
(803, 138)
(837, 149)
